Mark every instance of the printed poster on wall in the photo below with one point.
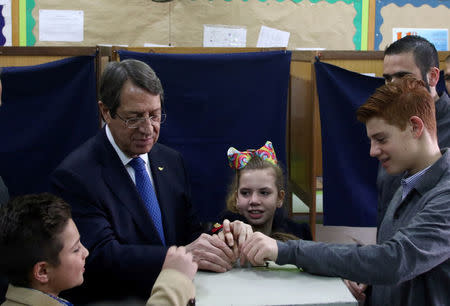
(438, 37)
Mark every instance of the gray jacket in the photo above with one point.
(410, 263)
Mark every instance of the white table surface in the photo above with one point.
(276, 285)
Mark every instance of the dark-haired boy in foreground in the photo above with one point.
(42, 255)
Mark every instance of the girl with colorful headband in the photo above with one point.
(257, 193)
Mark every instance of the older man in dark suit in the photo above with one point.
(130, 195)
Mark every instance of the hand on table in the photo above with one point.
(178, 259)
(259, 248)
(357, 289)
(211, 253)
(234, 234)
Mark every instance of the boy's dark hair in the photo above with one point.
(424, 52)
(29, 229)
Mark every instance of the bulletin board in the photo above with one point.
(330, 24)
(408, 14)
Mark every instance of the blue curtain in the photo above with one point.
(214, 101)
(349, 173)
(48, 110)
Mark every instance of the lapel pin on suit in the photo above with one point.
(160, 168)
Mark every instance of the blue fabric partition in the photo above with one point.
(48, 110)
(349, 173)
(214, 101)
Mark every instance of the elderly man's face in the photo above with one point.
(135, 102)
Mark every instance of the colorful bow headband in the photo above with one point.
(239, 160)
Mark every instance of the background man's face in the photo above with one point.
(396, 66)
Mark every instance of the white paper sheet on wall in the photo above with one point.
(61, 25)
(310, 49)
(110, 45)
(155, 45)
(6, 12)
(224, 36)
(270, 37)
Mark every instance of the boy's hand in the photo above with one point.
(259, 248)
(356, 289)
(178, 259)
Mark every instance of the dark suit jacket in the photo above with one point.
(126, 253)
(4, 197)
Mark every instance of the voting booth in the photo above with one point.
(214, 99)
(297, 124)
(305, 145)
(49, 108)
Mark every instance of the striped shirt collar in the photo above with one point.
(409, 182)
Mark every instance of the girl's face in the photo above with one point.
(258, 197)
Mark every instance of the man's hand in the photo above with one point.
(234, 234)
(211, 253)
(356, 289)
(236, 231)
(178, 259)
(259, 248)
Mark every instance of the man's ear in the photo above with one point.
(417, 126)
(280, 200)
(433, 76)
(104, 111)
(40, 272)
